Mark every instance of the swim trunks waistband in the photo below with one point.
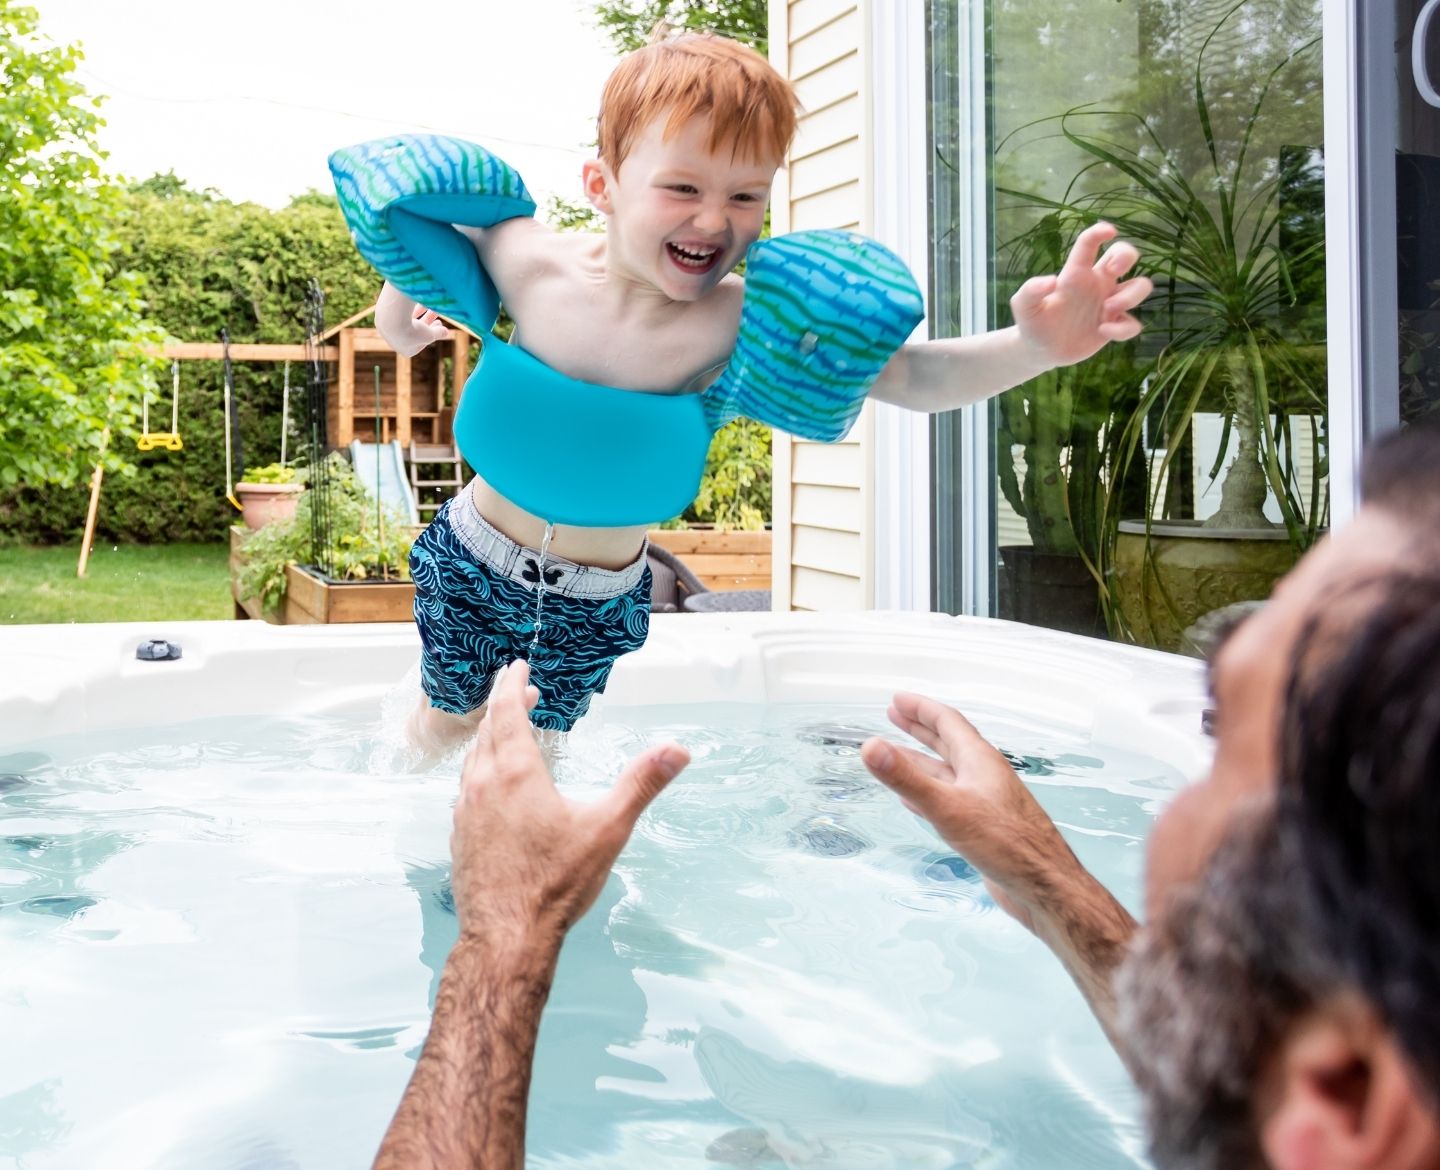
(493, 548)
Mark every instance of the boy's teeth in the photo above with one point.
(695, 255)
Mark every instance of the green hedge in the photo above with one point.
(207, 264)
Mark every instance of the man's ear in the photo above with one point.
(1341, 1096)
(596, 179)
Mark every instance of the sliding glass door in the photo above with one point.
(1136, 493)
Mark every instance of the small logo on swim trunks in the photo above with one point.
(531, 573)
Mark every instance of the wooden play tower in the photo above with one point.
(417, 396)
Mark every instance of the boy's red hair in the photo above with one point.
(750, 106)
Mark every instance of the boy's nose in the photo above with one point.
(711, 218)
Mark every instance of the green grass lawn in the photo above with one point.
(122, 583)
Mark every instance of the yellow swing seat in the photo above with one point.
(151, 440)
(169, 440)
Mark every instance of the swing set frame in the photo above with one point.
(194, 351)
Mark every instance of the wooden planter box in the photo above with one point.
(722, 560)
(309, 600)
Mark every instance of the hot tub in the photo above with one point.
(223, 916)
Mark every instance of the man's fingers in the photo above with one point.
(898, 770)
(643, 779)
(1086, 252)
(508, 719)
(935, 769)
(946, 730)
(914, 728)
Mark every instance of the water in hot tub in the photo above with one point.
(221, 941)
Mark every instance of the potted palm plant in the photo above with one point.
(1236, 246)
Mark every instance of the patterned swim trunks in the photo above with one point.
(475, 594)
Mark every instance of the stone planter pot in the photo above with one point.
(264, 503)
(1191, 571)
(1049, 590)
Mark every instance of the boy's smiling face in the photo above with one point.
(679, 215)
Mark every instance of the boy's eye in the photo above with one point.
(682, 189)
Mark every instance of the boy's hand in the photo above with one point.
(1067, 318)
(527, 861)
(426, 324)
(406, 327)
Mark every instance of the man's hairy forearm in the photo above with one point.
(465, 1104)
(1090, 933)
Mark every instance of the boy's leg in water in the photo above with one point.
(435, 733)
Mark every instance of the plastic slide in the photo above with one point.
(380, 467)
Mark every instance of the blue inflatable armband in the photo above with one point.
(400, 195)
(824, 312)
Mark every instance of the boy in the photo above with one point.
(691, 132)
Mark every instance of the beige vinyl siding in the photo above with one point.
(822, 496)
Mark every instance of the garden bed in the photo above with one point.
(722, 560)
(312, 599)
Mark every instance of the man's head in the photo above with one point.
(1282, 1011)
(1397, 531)
(692, 129)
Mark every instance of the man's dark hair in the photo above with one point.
(1359, 798)
(1400, 474)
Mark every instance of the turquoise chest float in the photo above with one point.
(823, 313)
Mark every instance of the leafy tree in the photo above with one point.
(73, 340)
(567, 216)
(629, 23)
(205, 264)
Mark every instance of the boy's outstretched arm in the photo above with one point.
(1059, 320)
(406, 326)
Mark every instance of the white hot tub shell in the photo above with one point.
(86, 678)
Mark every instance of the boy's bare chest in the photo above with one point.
(568, 327)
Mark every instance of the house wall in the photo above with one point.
(823, 491)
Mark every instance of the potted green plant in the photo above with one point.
(1231, 335)
(268, 494)
(363, 546)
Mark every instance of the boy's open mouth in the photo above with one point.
(694, 258)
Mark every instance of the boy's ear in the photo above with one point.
(1341, 1096)
(596, 179)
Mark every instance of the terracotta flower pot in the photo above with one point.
(261, 503)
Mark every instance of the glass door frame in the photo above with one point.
(962, 442)
(1361, 97)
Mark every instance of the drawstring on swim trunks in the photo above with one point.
(540, 591)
